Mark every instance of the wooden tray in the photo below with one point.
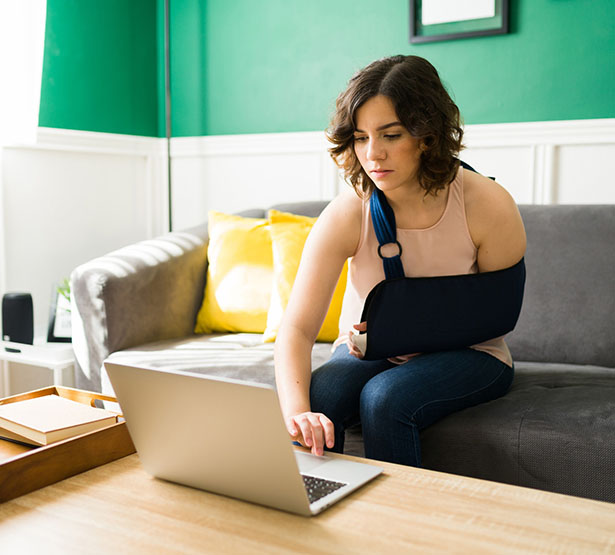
(24, 469)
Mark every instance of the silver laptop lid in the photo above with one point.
(215, 434)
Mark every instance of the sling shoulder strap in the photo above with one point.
(383, 220)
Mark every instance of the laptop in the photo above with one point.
(228, 437)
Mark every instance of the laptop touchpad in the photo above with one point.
(308, 462)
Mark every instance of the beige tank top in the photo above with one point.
(445, 248)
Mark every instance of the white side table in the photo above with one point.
(57, 357)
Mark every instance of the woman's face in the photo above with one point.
(387, 152)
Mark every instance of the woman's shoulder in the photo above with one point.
(494, 222)
(346, 207)
(341, 222)
(484, 196)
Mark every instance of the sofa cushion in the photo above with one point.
(553, 430)
(241, 356)
(568, 313)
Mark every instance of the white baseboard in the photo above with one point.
(567, 132)
(91, 141)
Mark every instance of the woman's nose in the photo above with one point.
(375, 151)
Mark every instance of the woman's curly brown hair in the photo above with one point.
(424, 108)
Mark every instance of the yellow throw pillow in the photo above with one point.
(239, 275)
(288, 234)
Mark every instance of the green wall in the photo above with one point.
(257, 66)
(100, 67)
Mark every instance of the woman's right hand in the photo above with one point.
(311, 429)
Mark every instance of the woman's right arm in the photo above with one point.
(333, 239)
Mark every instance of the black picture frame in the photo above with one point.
(467, 28)
(59, 330)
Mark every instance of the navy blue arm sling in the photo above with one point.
(425, 314)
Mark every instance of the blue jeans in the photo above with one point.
(394, 403)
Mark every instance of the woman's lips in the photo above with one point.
(380, 173)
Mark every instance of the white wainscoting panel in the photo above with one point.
(236, 172)
(547, 162)
(512, 167)
(537, 162)
(69, 198)
(584, 174)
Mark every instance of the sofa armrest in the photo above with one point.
(145, 292)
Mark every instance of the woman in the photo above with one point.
(396, 129)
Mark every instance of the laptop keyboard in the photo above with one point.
(317, 488)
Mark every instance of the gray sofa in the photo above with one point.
(554, 430)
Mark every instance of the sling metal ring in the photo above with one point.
(384, 245)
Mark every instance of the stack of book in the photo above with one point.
(49, 419)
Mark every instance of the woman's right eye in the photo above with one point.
(360, 139)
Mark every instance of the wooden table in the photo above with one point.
(119, 508)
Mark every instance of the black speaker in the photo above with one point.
(17, 318)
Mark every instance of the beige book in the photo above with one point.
(50, 418)
(7, 434)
